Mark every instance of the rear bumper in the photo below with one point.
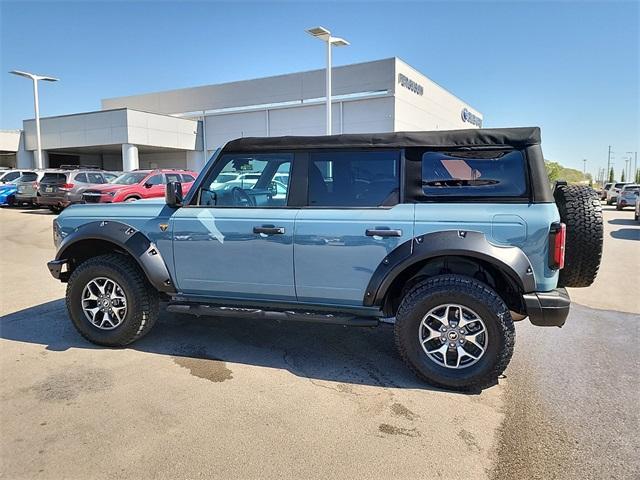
(52, 201)
(548, 309)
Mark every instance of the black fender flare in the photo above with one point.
(129, 239)
(510, 260)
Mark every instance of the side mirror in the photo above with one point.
(173, 194)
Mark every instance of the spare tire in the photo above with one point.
(581, 211)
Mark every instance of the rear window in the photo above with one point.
(28, 177)
(489, 173)
(54, 178)
(188, 178)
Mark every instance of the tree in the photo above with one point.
(612, 176)
(622, 179)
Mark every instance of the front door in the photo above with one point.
(352, 222)
(235, 240)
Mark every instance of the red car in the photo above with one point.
(138, 184)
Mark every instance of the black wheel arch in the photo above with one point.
(101, 237)
(506, 269)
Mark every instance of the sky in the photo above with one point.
(570, 67)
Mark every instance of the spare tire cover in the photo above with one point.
(581, 211)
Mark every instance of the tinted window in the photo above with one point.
(476, 174)
(155, 180)
(354, 179)
(81, 178)
(247, 180)
(109, 177)
(54, 178)
(28, 177)
(95, 178)
(130, 178)
(187, 178)
(10, 176)
(173, 177)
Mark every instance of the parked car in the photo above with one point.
(454, 242)
(60, 188)
(10, 176)
(612, 193)
(138, 184)
(9, 187)
(27, 186)
(637, 209)
(627, 196)
(605, 189)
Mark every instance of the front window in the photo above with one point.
(477, 173)
(247, 180)
(130, 178)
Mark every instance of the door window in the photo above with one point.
(81, 178)
(95, 178)
(187, 178)
(155, 180)
(173, 177)
(247, 180)
(354, 178)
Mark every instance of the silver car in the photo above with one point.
(60, 188)
(26, 187)
(612, 193)
(627, 196)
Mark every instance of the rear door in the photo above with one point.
(352, 221)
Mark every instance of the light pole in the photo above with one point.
(325, 35)
(35, 78)
(635, 164)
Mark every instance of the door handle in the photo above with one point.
(269, 230)
(383, 232)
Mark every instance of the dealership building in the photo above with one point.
(181, 128)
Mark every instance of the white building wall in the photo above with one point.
(175, 159)
(435, 109)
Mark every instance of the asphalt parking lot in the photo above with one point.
(218, 398)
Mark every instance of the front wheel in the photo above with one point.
(455, 332)
(110, 301)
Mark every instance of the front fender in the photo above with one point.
(510, 260)
(129, 239)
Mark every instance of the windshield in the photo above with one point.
(130, 178)
(28, 177)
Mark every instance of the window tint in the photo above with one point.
(354, 179)
(188, 178)
(173, 177)
(95, 178)
(28, 177)
(247, 180)
(155, 180)
(54, 178)
(130, 178)
(80, 178)
(475, 173)
(10, 176)
(108, 177)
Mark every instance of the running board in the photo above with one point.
(201, 310)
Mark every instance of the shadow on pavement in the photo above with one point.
(364, 356)
(623, 221)
(626, 234)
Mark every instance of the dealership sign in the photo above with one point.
(409, 84)
(471, 118)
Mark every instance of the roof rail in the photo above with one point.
(79, 167)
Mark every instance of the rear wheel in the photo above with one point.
(110, 301)
(581, 211)
(131, 199)
(455, 332)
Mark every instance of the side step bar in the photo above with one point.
(201, 310)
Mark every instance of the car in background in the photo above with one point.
(9, 187)
(63, 187)
(138, 184)
(612, 193)
(27, 186)
(10, 176)
(627, 196)
(637, 210)
(605, 189)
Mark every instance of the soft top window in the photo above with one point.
(483, 173)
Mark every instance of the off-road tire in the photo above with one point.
(142, 299)
(581, 211)
(471, 293)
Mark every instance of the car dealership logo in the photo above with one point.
(471, 118)
(409, 84)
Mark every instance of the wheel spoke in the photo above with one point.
(92, 312)
(104, 295)
(473, 339)
(433, 333)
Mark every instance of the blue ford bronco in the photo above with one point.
(450, 235)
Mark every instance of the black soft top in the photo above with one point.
(516, 137)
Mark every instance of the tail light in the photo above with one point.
(66, 186)
(36, 185)
(557, 240)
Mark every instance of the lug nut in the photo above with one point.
(462, 331)
(452, 344)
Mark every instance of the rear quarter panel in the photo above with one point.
(525, 226)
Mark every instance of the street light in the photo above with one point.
(325, 35)
(35, 78)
